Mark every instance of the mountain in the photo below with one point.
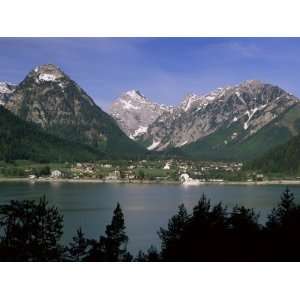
(26, 141)
(134, 113)
(6, 89)
(49, 98)
(238, 122)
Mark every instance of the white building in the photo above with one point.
(106, 166)
(185, 179)
(167, 166)
(56, 173)
(114, 175)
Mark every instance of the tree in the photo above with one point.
(112, 246)
(116, 239)
(170, 237)
(30, 231)
(243, 220)
(282, 215)
(201, 210)
(141, 174)
(78, 248)
(282, 229)
(152, 255)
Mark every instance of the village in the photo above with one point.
(181, 171)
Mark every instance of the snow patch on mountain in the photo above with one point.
(251, 113)
(6, 90)
(182, 144)
(188, 101)
(141, 130)
(7, 87)
(153, 145)
(47, 77)
(128, 105)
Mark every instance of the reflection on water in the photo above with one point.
(146, 206)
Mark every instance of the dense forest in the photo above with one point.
(284, 159)
(26, 141)
(31, 231)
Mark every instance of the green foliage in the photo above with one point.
(212, 233)
(284, 159)
(30, 231)
(278, 132)
(152, 255)
(42, 171)
(112, 246)
(25, 141)
(116, 238)
(78, 249)
(71, 115)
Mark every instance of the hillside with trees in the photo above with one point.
(284, 159)
(26, 141)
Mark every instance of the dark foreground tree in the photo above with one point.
(78, 249)
(116, 239)
(171, 237)
(112, 246)
(212, 233)
(152, 255)
(282, 229)
(30, 231)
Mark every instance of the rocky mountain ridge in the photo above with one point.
(253, 104)
(6, 89)
(134, 113)
(227, 116)
(50, 98)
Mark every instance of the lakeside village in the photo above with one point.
(179, 171)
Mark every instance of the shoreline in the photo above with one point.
(63, 180)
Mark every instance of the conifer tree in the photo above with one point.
(30, 231)
(116, 239)
(78, 248)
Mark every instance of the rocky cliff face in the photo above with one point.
(6, 89)
(134, 113)
(49, 98)
(252, 105)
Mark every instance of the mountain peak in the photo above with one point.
(48, 72)
(134, 94)
(47, 67)
(55, 102)
(134, 112)
(188, 100)
(252, 82)
(6, 87)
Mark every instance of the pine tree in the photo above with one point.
(78, 248)
(170, 236)
(116, 239)
(201, 210)
(30, 231)
(282, 215)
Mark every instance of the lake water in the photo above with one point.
(147, 207)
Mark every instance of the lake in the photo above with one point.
(146, 207)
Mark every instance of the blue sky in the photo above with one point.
(163, 69)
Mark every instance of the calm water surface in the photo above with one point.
(147, 207)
